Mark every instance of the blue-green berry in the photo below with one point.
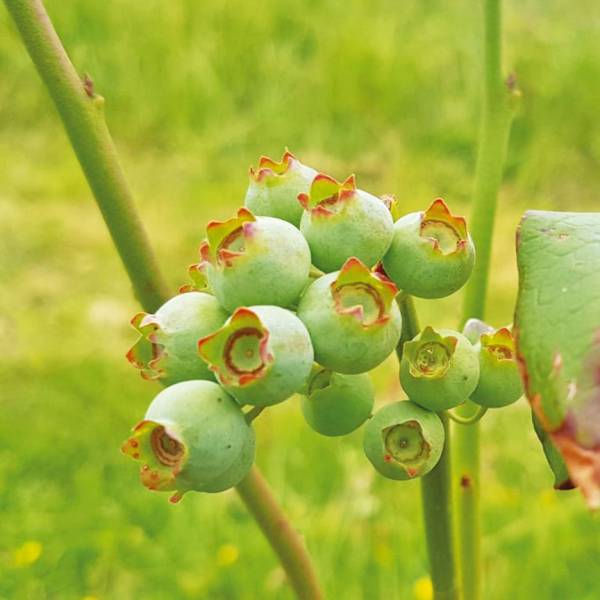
(439, 369)
(261, 356)
(250, 260)
(431, 254)
(337, 404)
(340, 221)
(194, 436)
(274, 188)
(167, 347)
(403, 440)
(352, 318)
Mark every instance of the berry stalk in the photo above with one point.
(436, 491)
(80, 109)
(499, 99)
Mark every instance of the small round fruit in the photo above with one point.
(274, 188)
(352, 318)
(194, 437)
(167, 347)
(261, 356)
(431, 254)
(403, 440)
(337, 404)
(499, 379)
(250, 260)
(439, 370)
(340, 221)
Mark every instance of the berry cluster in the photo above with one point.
(297, 294)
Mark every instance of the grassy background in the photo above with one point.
(195, 92)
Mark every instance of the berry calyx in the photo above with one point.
(403, 441)
(194, 436)
(167, 347)
(439, 370)
(340, 221)
(352, 318)
(250, 260)
(261, 356)
(499, 379)
(337, 404)
(431, 254)
(274, 187)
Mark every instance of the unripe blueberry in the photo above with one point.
(340, 221)
(352, 318)
(337, 404)
(194, 437)
(262, 355)
(274, 188)
(167, 347)
(403, 440)
(252, 260)
(431, 254)
(499, 379)
(439, 370)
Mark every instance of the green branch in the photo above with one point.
(497, 111)
(81, 111)
(436, 491)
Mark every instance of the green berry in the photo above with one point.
(403, 440)
(337, 404)
(167, 347)
(499, 379)
(340, 221)
(439, 370)
(250, 260)
(274, 188)
(194, 437)
(431, 254)
(262, 355)
(352, 318)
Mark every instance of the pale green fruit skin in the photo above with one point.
(274, 269)
(341, 343)
(213, 427)
(499, 381)
(183, 320)
(417, 269)
(363, 228)
(454, 387)
(396, 414)
(341, 407)
(278, 196)
(291, 346)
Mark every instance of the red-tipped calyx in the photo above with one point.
(327, 195)
(364, 294)
(238, 352)
(447, 232)
(268, 168)
(146, 354)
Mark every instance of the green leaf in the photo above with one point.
(557, 326)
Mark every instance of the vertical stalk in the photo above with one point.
(81, 112)
(436, 491)
(497, 111)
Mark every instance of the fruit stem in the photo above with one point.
(80, 109)
(253, 413)
(82, 114)
(436, 490)
(285, 541)
(470, 420)
(498, 105)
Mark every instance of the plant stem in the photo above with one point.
(286, 542)
(436, 490)
(81, 111)
(497, 111)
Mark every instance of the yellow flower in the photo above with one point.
(422, 589)
(227, 554)
(28, 553)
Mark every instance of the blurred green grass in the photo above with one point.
(195, 92)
